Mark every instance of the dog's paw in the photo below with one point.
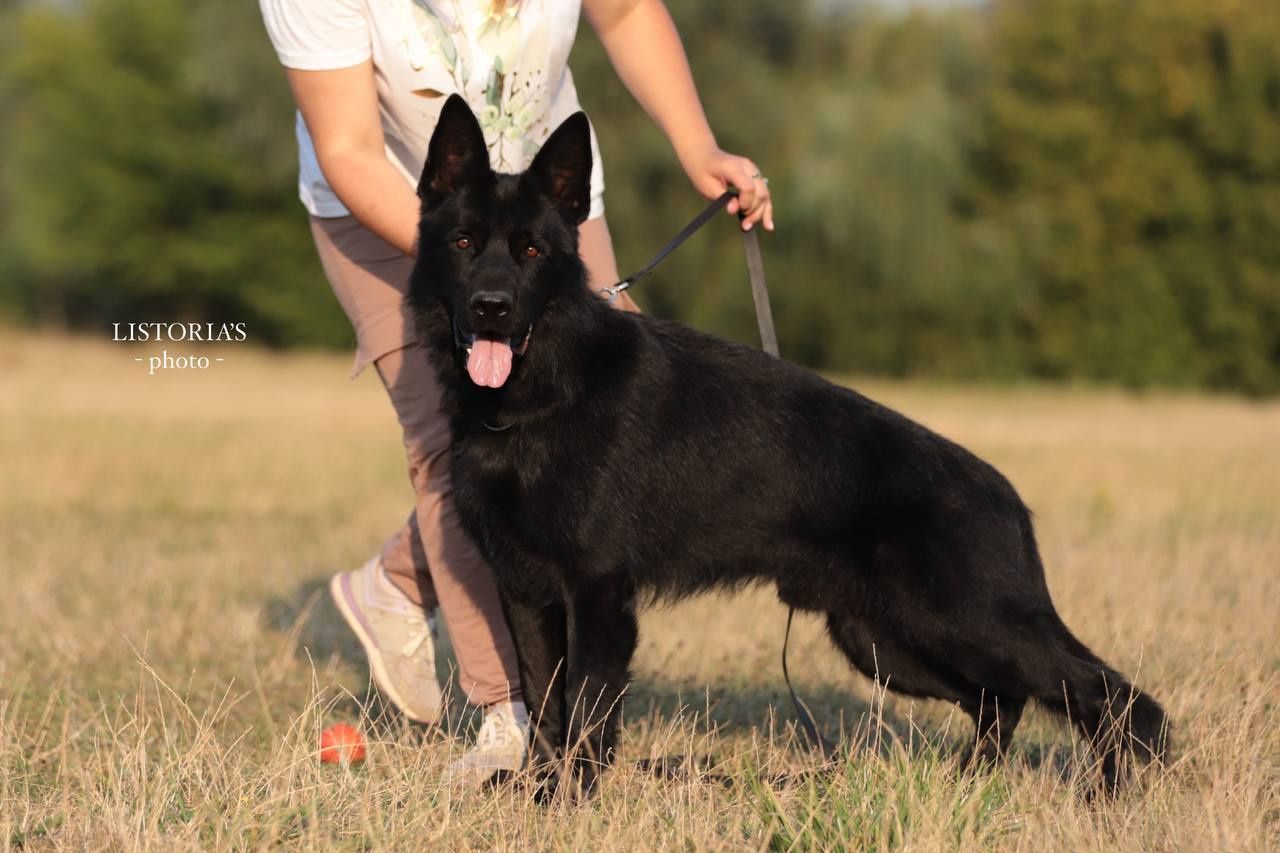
(585, 777)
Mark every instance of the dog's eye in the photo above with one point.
(532, 251)
(463, 243)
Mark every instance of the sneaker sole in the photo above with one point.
(371, 650)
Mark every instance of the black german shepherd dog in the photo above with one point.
(603, 459)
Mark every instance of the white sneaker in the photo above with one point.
(502, 744)
(396, 635)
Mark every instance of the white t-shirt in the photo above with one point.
(511, 66)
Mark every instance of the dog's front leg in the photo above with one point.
(602, 640)
(540, 635)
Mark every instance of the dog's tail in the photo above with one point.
(1122, 722)
(1117, 717)
(1149, 726)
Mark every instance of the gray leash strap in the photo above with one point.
(769, 343)
(760, 292)
(803, 714)
(674, 243)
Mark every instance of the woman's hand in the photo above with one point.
(645, 48)
(713, 171)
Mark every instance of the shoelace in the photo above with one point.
(417, 636)
(496, 731)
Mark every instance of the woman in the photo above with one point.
(369, 78)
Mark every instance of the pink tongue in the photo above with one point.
(489, 363)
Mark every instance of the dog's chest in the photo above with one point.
(513, 494)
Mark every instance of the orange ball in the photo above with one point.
(341, 744)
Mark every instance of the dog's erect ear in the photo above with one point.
(457, 154)
(562, 168)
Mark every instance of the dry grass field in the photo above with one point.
(169, 656)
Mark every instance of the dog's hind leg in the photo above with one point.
(1120, 721)
(880, 656)
(913, 673)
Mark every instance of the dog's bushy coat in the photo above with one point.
(627, 457)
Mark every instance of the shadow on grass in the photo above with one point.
(318, 632)
(309, 614)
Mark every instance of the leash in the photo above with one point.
(755, 269)
(674, 243)
(769, 343)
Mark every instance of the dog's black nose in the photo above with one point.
(491, 303)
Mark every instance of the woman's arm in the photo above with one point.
(644, 47)
(341, 111)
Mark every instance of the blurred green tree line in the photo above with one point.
(1049, 188)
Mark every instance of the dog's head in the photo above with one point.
(496, 250)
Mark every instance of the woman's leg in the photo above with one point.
(464, 584)
(404, 559)
(370, 278)
(429, 559)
